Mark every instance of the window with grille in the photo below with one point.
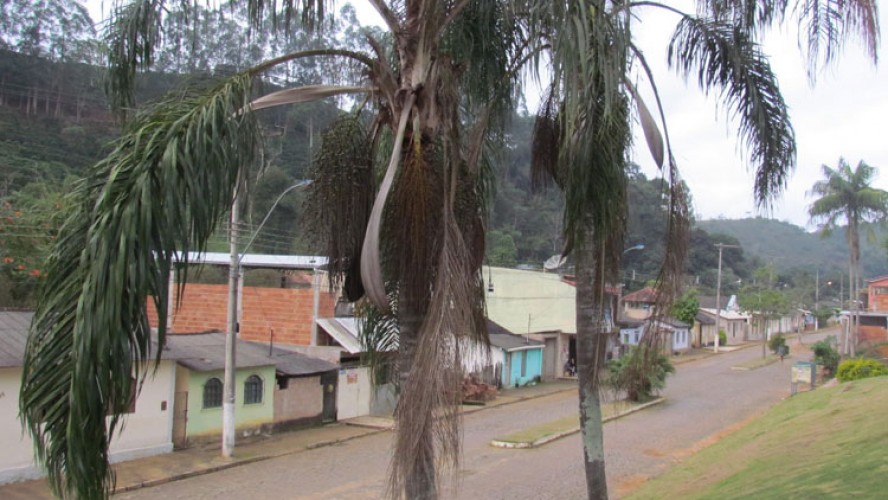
(253, 390)
(212, 393)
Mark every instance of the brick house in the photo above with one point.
(282, 313)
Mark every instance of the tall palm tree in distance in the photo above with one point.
(846, 197)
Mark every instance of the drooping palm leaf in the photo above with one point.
(159, 194)
(726, 59)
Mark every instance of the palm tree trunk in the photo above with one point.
(420, 480)
(854, 244)
(591, 345)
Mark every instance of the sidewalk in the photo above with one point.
(198, 460)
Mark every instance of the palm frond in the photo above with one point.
(379, 342)
(136, 31)
(751, 15)
(306, 93)
(371, 259)
(547, 138)
(428, 411)
(726, 59)
(158, 195)
(830, 23)
(652, 134)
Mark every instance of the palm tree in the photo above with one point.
(846, 197)
(582, 138)
(438, 89)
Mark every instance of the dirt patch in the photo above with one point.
(629, 484)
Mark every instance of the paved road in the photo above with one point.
(705, 399)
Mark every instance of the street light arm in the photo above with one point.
(267, 215)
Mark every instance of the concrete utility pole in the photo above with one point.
(234, 281)
(228, 401)
(718, 286)
(816, 300)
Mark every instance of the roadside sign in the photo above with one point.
(803, 372)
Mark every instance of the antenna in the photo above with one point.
(554, 262)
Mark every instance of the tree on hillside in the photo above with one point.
(845, 197)
(439, 86)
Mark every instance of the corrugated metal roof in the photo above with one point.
(512, 342)
(14, 327)
(205, 352)
(343, 330)
(260, 260)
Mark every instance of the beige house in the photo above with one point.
(542, 306)
(147, 430)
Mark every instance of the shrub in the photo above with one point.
(826, 355)
(856, 369)
(722, 337)
(641, 373)
(776, 342)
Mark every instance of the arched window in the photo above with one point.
(212, 393)
(253, 390)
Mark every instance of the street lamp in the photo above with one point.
(234, 270)
(636, 247)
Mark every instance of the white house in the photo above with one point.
(676, 334)
(148, 430)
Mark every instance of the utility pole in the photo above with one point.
(228, 401)
(816, 300)
(234, 280)
(718, 285)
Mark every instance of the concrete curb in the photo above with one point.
(238, 462)
(558, 435)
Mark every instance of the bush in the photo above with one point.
(826, 355)
(722, 337)
(856, 369)
(777, 341)
(641, 373)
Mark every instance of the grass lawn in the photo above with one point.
(829, 443)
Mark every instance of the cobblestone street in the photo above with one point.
(705, 399)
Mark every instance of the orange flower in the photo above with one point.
(35, 272)
(8, 260)
(21, 267)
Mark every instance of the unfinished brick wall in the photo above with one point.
(286, 311)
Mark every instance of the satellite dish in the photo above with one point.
(554, 262)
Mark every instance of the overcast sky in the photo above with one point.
(838, 116)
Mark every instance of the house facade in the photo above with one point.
(275, 388)
(542, 306)
(510, 361)
(639, 304)
(148, 429)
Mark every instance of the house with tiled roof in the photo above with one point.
(640, 304)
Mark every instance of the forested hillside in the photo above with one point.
(55, 123)
(790, 247)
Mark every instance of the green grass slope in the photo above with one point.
(830, 443)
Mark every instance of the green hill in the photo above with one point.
(829, 443)
(790, 247)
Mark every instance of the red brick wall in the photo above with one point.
(288, 311)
